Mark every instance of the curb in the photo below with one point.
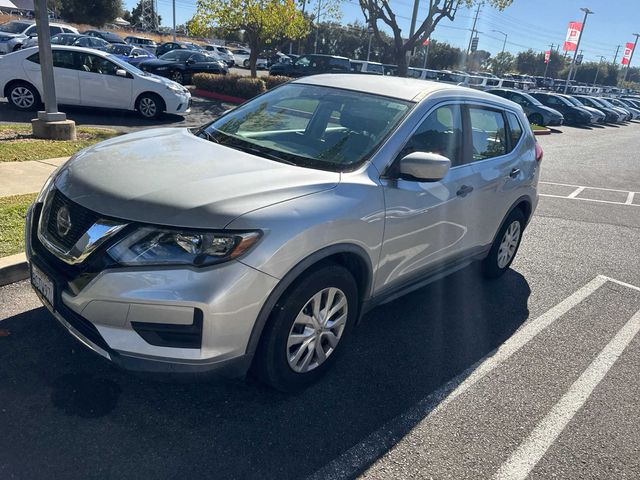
(13, 268)
(542, 132)
(218, 96)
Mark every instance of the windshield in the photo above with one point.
(594, 102)
(127, 66)
(14, 27)
(533, 100)
(574, 101)
(63, 39)
(606, 103)
(180, 55)
(310, 126)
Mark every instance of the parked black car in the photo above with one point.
(312, 65)
(180, 65)
(536, 112)
(106, 36)
(611, 116)
(170, 46)
(572, 115)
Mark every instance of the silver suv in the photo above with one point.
(259, 240)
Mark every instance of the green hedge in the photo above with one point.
(236, 85)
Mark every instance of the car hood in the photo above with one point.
(171, 177)
(594, 111)
(549, 110)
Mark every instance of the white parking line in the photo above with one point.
(578, 189)
(376, 444)
(529, 453)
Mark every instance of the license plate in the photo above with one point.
(42, 284)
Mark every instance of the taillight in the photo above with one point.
(539, 153)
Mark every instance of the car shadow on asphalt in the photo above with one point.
(77, 415)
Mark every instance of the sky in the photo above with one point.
(528, 23)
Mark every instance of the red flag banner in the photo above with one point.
(426, 42)
(573, 35)
(547, 56)
(628, 50)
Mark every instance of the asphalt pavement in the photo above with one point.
(534, 374)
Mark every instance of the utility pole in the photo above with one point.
(174, 20)
(626, 71)
(546, 67)
(504, 44)
(615, 57)
(587, 12)
(473, 31)
(315, 44)
(412, 29)
(602, 59)
(370, 31)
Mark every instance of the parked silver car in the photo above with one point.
(260, 239)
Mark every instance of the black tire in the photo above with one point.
(246, 64)
(536, 119)
(492, 266)
(23, 96)
(150, 106)
(17, 47)
(272, 360)
(177, 76)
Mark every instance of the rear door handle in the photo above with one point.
(464, 191)
(514, 173)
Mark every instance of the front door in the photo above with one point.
(100, 86)
(428, 224)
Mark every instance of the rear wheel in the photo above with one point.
(246, 64)
(150, 105)
(23, 96)
(505, 246)
(307, 326)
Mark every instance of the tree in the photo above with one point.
(323, 11)
(375, 11)
(502, 63)
(528, 62)
(442, 56)
(263, 21)
(95, 12)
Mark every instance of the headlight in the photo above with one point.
(161, 68)
(159, 246)
(175, 87)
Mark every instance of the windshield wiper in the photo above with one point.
(238, 144)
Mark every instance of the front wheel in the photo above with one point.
(150, 106)
(246, 64)
(306, 328)
(505, 246)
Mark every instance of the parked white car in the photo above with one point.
(90, 78)
(14, 34)
(223, 53)
(241, 56)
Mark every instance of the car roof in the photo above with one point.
(410, 89)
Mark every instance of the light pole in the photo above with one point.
(602, 59)
(174, 20)
(631, 57)
(370, 32)
(504, 44)
(587, 12)
(315, 44)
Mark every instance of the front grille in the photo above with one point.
(81, 220)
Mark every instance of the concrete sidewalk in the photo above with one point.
(17, 178)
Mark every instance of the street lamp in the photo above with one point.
(587, 12)
(504, 44)
(602, 59)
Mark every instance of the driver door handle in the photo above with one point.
(464, 191)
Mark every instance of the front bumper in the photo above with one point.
(115, 311)
(179, 104)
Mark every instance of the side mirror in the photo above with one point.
(425, 166)
(121, 72)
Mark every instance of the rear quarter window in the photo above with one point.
(515, 130)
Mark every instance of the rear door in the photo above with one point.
(65, 74)
(99, 84)
(503, 159)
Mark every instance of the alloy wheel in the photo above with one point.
(317, 329)
(148, 107)
(22, 97)
(177, 77)
(509, 243)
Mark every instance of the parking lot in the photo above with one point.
(533, 374)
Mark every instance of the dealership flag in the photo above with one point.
(547, 56)
(573, 35)
(426, 42)
(628, 50)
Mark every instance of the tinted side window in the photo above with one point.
(515, 130)
(64, 59)
(54, 30)
(487, 133)
(35, 58)
(441, 133)
(339, 63)
(31, 31)
(198, 57)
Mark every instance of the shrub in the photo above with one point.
(247, 87)
(275, 80)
